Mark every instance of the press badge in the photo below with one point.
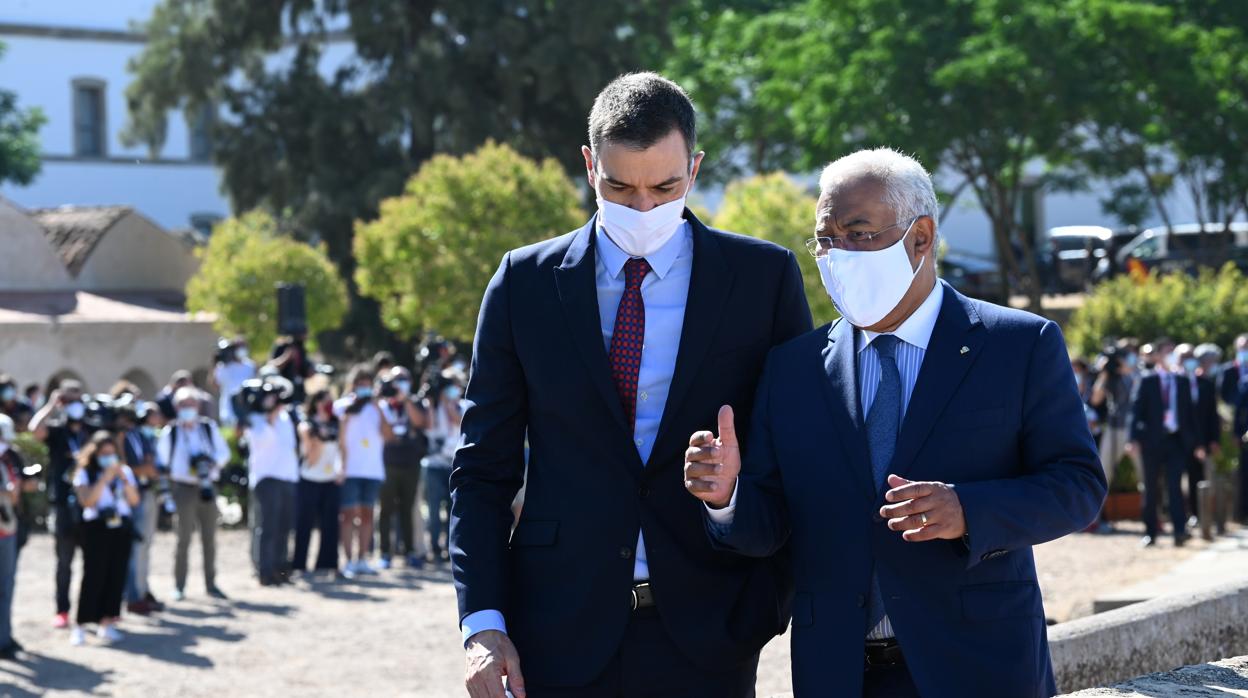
(114, 521)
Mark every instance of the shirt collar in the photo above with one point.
(917, 329)
(661, 261)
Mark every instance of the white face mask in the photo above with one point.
(867, 286)
(4, 448)
(187, 415)
(641, 233)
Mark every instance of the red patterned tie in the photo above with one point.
(626, 340)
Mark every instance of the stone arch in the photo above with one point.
(143, 380)
(63, 375)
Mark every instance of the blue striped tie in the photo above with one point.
(882, 425)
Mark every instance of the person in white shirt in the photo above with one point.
(234, 365)
(320, 479)
(273, 466)
(193, 451)
(108, 492)
(363, 434)
(443, 434)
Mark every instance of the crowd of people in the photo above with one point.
(312, 458)
(1158, 404)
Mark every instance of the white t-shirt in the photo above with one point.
(272, 449)
(361, 437)
(114, 495)
(230, 379)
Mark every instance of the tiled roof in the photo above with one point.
(75, 231)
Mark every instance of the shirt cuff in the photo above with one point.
(724, 517)
(481, 621)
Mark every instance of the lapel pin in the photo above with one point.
(964, 350)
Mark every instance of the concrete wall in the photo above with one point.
(1149, 637)
(27, 261)
(136, 255)
(1228, 677)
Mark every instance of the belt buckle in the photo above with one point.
(635, 596)
(633, 592)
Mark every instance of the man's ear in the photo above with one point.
(589, 166)
(697, 167)
(924, 233)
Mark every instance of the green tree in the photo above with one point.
(430, 254)
(773, 207)
(240, 268)
(329, 107)
(19, 139)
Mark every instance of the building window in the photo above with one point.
(90, 134)
(201, 132)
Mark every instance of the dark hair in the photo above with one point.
(638, 110)
(359, 372)
(314, 399)
(89, 456)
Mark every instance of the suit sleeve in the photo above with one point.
(792, 315)
(488, 468)
(759, 525)
(1209, 410)
(1138, 422)
(1229, 384)
(1060, 486)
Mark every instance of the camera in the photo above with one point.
(226, 351)
(387, 388)
(202, 465)
(101, 412)
(261, 395)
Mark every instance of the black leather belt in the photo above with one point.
(643, 597)
(883, 653)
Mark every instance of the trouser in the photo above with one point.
(66, 539)
(1195, 476)
(648, 663)
(273, 501)
(105, 557)
(1165, 463)
(1113, 447)
(398, 499)
(437, 494)
(316, 506)
(140, 557)
(8, 578)
(194, 514)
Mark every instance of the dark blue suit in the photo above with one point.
(563, 579)
(1234, 392)
(995, 412)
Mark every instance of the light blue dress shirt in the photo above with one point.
(664, 292)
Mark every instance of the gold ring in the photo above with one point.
(923, 519)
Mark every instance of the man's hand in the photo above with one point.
(711, 464)
(1131, 448)
(491, 656)
(1199, 453)
(923, 510)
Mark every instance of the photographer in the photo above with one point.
(10, 486)
(194, 452)
(443, 433)
(137, 426)
(290, 358)
(233, 367)
(402, 458)
(60, 425)
(107, 489)
(1111, 399)
(273, 465)
(167, 397)
(320, 478)
(364, 432)
(14, 405)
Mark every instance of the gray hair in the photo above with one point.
(1208, 351)
(908, 187)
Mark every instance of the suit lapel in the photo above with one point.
(956, 342)
(710, 283)
(575, 280)
(841, 392)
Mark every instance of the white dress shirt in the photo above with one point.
(272, 449)
(190, 442)
(664, 292)
(915, 334)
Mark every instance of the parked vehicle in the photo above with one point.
(1071, 254)
(1187, 247)
(977, 278)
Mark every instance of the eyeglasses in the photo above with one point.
(853, 240)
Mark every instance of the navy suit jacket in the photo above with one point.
(563, 578)
(1148, 416)
(1236, 398)
(996, 413)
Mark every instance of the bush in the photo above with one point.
(429, 256)
(1211, 307)
(774, 208)
(246, 258)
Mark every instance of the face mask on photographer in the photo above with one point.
(454, 392)
(8, 393)
(4, 448)
(75, 411)
(241, 353)
(107, 461)
(364, 392)
(148, 431)
(404, 386)
(186, 415)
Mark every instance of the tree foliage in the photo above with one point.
(1211, 307)
(430, 254)
(240, 268)
(773, 207)
(20, 161)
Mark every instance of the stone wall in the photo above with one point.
(1153, 636)
(1214, 680)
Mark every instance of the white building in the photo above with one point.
(68, 57)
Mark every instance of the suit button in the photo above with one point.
(862, 600)
(626, 553)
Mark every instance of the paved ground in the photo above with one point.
(389, 635)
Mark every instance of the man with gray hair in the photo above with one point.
(909, 455)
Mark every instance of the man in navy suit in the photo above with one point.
(606, 348)
(911, 454)
(1234, 392)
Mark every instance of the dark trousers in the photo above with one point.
(1195, 476)
(316, 506)
(273, 501)
(105, 561)
(891, 681)
(1165, 462)
(650, 664)
(437, 495)
(66, 543)
(398, 499)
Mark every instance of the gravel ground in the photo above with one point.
(393, 634)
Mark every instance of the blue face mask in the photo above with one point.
(107, 461)
(1242, 356)
(149, 431)
(187, 415)
(1190, 365)
(1133, 360)
(8, 394)
(454, 392)
(364, 393)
